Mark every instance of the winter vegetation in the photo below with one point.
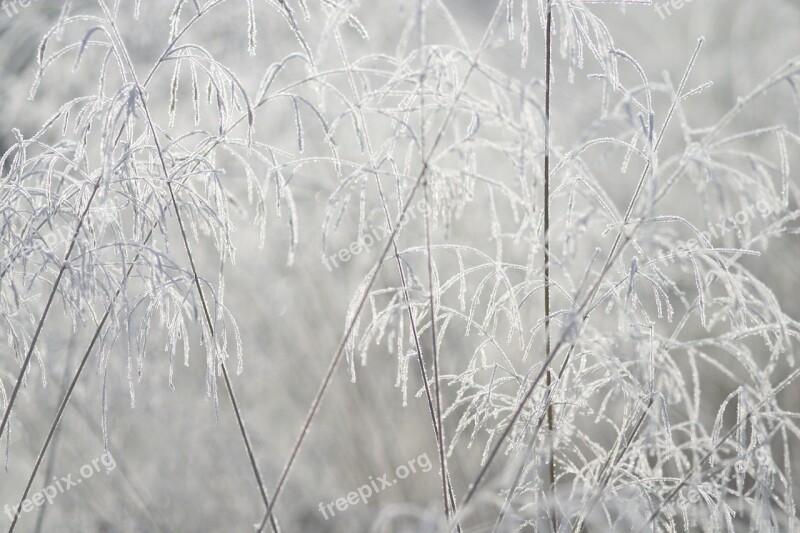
(259, 259)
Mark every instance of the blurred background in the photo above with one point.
(180, 464)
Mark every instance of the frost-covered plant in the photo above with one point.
(637, 313)
(558, 305)
(126, 188)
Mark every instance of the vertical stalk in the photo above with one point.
(447, 489)
(547, 339)
(435, 351)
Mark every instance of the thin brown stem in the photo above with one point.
(60, 413)
(518, 477)
(50, 298)
(190, 255)
(547, 339)
(48, 471)
(328, 376)
(447, 492)
(583, 309)
(434, 348)
(368, 286)
(691, 473)
(612, 460)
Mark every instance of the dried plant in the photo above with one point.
(559, 305)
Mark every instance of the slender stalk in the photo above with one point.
(209, 321)
(518, 477)
(447, 492)
(621, 234)
(56, 283)
(68, 395)
(547, 340)
(50, 298)
(436, 417)
(435, 351)
(613, 459)
(328, 376)
(340, 349)
(691, 473)
(98, 330)
(70, 390)
(190, 255)
(51, 463)
(583, 310)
